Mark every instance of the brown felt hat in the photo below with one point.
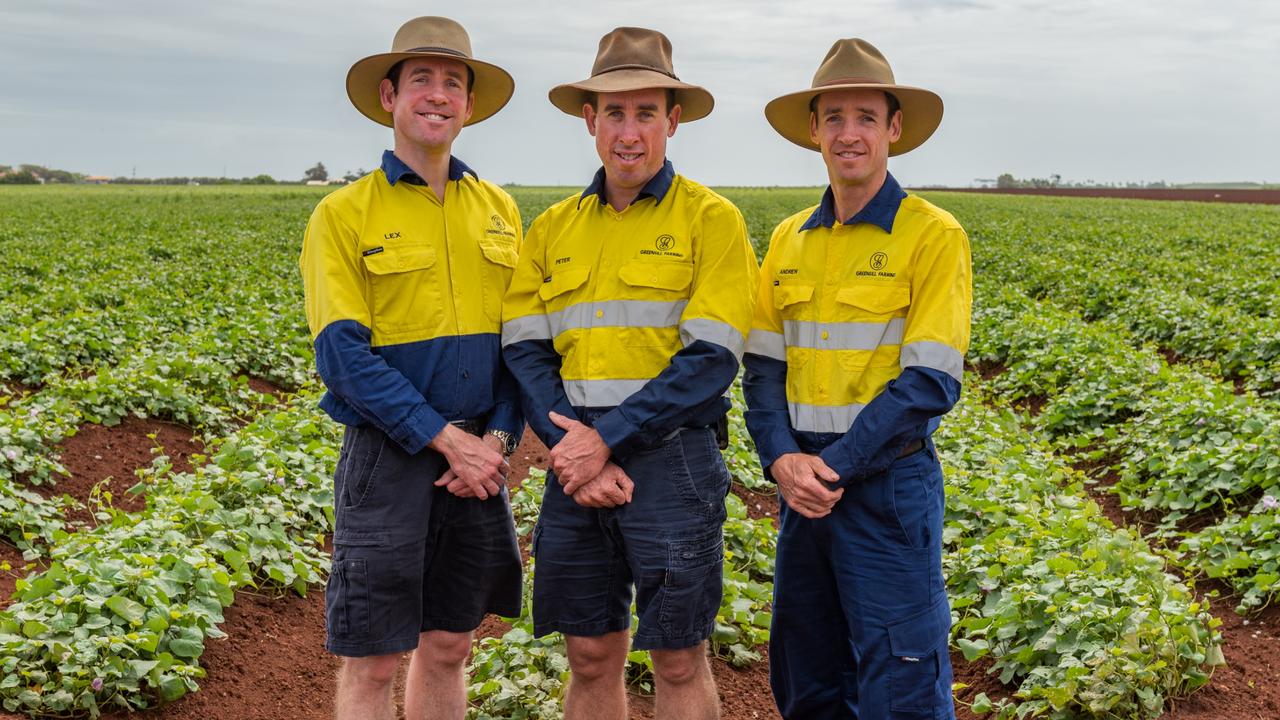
(855, 63)
(428, 37)
(633, 59)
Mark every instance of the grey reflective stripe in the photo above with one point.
(843, 336)
(823, 418)
(617, 313)
(925, 353)
(712, 331)
(600, 393)
(529, 327)
(766, 343)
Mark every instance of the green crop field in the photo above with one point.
(1125, 348)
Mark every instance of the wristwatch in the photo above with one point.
(509, 441)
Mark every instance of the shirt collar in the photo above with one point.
(881, 211)
(395, 170)
(656, 188)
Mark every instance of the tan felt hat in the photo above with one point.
(855, 63)
(633, 59)
(428, 37)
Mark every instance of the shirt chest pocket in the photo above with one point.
(795, 304)
(404, 291)
(657, 293)
(876, 315)
(498, 263)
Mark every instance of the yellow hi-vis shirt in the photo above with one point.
(404, 301)
(644, 311)
(844, 310)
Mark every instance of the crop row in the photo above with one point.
(1197, 280)
(120, 615)
(1081, 616)
(1180, 443)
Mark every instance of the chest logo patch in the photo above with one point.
(498, 227)
(664, 242)
(879, 260)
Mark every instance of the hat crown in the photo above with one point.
(435, 34)
(631, 48)
(853, 60)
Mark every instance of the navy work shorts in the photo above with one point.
(860, 614)
(667, 542)
(408, 556)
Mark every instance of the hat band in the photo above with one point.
(636, 66)
(445, 50)
(852, 81)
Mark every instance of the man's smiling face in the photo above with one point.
(854, 130)
(430, 102)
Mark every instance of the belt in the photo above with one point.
(914, 446)
(471, 426)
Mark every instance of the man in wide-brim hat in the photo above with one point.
(404, 272)
(624, 324)
(855, 353)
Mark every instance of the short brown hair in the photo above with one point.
(890, 99)
(394, 75)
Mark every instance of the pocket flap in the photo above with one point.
(784, 295)
(400, 259)
(562, 281)
(876, 298)
(500, 253)
(356, 538)
(920, 634)
(665, 275)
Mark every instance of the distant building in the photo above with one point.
(97, 180)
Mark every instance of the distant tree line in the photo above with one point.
(1007, 180)
(35, 174)
(38, 174)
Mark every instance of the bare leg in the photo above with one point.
(435, 688)
(364, 688)
(597, 690)
(684, 689)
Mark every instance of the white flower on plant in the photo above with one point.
(11, 454)
(1269, 502)
(1199, 422)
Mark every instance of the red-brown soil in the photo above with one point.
(273, 666)
(97, 452)
(1263, 197)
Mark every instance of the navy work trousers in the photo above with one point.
(860, 617)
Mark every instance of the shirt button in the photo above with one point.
(825, 335)
(599, 313)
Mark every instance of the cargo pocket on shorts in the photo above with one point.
(347, 600)
(915, 667)
(692, 587)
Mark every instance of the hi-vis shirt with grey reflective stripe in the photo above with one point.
(860, 331)
(644, 311)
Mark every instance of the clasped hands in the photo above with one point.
(802, 481)
(581, 463)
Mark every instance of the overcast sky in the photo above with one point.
(1106, 90)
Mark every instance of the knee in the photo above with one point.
(445, 649)
(679, 667)
(595, 658)
(377, 671)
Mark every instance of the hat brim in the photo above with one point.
(921, 114)
(492, 86)
(695, 102)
